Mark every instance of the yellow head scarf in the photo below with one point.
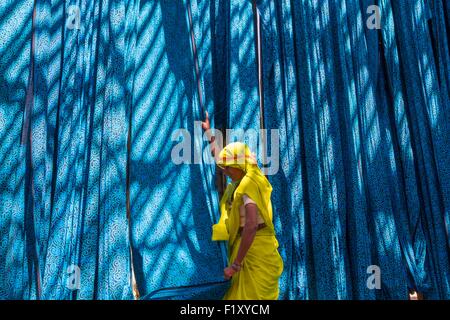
(254, 184)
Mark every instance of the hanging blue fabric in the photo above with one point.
(73, 221)
(209, 290)
(350, 125)
(91, 96)
(173, 206)
(18, 251)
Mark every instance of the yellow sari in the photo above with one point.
(262, 265)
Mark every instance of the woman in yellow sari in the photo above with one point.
(255, 264)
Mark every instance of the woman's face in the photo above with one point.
(234, 173)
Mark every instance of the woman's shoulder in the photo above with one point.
(247, 183)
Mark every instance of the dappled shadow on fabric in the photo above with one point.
(87, 116)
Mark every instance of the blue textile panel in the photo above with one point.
(172, 206)
(92, 94)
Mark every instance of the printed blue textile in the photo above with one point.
(93, 95)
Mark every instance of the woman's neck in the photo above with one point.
(237, 178)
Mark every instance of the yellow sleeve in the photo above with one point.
(219, 232)
(220, 229)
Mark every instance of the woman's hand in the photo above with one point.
(206, 125)
(228, 272)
